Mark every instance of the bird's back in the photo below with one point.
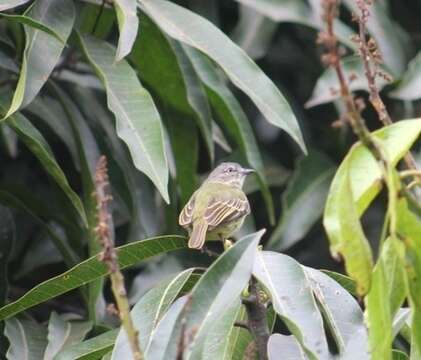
(210, 192)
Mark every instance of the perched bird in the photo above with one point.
(218, 208)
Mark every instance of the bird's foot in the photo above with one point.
(227, 244)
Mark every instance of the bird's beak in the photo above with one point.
(247, 171)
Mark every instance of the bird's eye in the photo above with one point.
(230, 170)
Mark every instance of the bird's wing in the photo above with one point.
(221, 211)
(186, 215)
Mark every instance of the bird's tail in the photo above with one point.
(198, 235)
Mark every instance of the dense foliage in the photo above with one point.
(166, 90)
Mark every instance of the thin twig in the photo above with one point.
(353, 115)
(333, 58)
(372, 58)
(109, 256)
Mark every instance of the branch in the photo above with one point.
(353, 116)
(372, 58)
(109, 256)
(333, 58)
(257, 320)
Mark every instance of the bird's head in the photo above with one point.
(229, 173)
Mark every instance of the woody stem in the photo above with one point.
(257, 320)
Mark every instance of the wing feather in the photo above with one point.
(186, 215)
(223, 211)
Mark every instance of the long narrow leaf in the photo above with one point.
(138, 121)
(128, 24)
(217, 289)
(42, 51)
(197, 32)
(63, 334)
(342, 314)
(346, 234)
(27, 339)
(148, 311)
(292, 298)
(185, 97)
(92, 269)
(233, 118)
(22, 19)
(33, 139)
(303, 200)
(90, 349)
(11, 4)
(409, 229)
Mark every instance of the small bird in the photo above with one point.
(218, 208)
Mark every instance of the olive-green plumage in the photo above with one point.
(218, 208)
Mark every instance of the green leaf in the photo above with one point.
(41, 50)
(62, 334)
(393, 253)
(91, 349)
(346, 235)
(7, 239)
(128, 183)
(303, 200)
(162, 61)
(148, 312)
(138, 121)
(128, 24)
(186, 153)
(401, 319)
(7, 63)
(125, 182)
(11, 4)
(41, 253)
(36, 143)
(26, 20)
(233, 118)
(364, 173)
(342, 314)
(199, 33)
(88, 153)
(298, 11)
(239, 339)
(408, 87)
(399, 355)
(409, 230)
(253, 32)
(67, 253)
(345, 281)
(218, 288)
(286, 345)
(292, 299)
(167, 333)
(96, 20)
(92, 269)
(355, 185)
(217, 343)
(27, 339)
(49, 110)
(353, 68)
(378, 315)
